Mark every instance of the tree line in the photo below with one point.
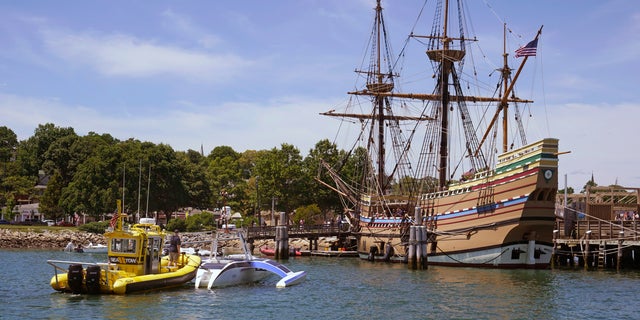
(87, 174)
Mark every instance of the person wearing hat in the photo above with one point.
(174, 248)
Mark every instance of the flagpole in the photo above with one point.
(506, 96)
(139, 186)
(146, 211)
(124, 173)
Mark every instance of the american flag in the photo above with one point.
(114, 221)
(528, 50)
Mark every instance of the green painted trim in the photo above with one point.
(521, 162)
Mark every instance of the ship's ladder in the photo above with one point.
(602, 255)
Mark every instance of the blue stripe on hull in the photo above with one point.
(388, 222)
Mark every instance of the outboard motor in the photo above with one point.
(93, 279)
(74, 278)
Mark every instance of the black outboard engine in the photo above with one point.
(93, 279)
(74, 278)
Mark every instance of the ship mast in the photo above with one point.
(502, 106)
(379, 87)
(379, 101)
(446, 57)
(506, 73)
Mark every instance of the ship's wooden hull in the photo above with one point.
(502, 218)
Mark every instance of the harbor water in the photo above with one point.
(336, 288)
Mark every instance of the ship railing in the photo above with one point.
(601, 229)
(293, 230)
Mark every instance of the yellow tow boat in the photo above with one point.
(134, 263)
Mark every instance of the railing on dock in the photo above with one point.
(299, 231)
(601, 229)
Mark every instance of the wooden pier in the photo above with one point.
(598, 245)
(310, 232)
(600, 229)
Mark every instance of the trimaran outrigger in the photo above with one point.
(478, 209)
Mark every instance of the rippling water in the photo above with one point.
(344, 288)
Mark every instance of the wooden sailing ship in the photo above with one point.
(478, 207)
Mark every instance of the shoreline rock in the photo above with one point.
(20, 239)
(58, 239)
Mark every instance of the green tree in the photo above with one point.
(318, 181)
(590, 183)
(199, 222)
(32, 152)
(281, 176)
(225, 174)
(14, 185)
(248, 202)
(49, 202)
(569, 190)
(197, 185)
(168, 192)
(8, 145)
(311, 214)
(96, 184)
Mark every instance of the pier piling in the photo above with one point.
(282, 238)
(417, 253)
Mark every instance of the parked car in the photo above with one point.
(3, 221)
(49, 222)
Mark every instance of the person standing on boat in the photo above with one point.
(174, 248)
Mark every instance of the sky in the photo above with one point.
(256, 74)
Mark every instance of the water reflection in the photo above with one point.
(337, 288)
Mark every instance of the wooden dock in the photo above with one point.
(335, 253)
(344, 238)
(600, 229)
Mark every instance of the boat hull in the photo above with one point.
(272, 252)
(221, 272)
(226, 274)
(114, 281)
(502, 219)
(95, 249)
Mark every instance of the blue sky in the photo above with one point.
(255, 74)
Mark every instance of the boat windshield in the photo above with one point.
(123, 245)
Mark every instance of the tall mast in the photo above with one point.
(505, 98)
(506, 73)
(446, 57)
(380, 102)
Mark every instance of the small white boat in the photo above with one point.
(95, 248)
(91, 248)
(193, 251)
(243, 268)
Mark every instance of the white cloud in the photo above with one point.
(242, 126)
(127, 56)
(182, 24)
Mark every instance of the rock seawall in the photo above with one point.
(58, 239)
(46, 239)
